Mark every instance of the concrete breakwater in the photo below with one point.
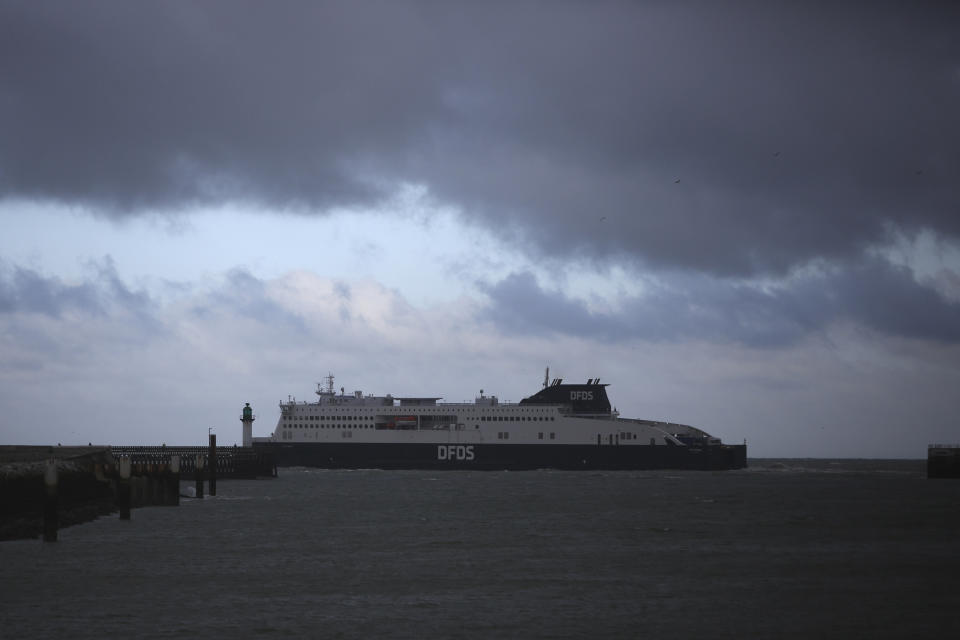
(43, 488)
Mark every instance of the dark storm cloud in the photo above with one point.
(733, 138)
(25, 290)
(871, 293)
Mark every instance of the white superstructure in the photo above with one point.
(559, 415)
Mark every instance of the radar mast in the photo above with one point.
(328, 391)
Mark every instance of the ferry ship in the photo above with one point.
(562, 426)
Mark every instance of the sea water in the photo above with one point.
(785, 549)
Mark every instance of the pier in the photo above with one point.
(943, 461)
(229, 462)
(43, 488)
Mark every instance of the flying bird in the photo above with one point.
(677, 181)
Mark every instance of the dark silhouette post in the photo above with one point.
(198, 475)
(50, 520)
(174, 481)
(123, 488)
(212, 461)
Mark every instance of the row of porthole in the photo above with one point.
(323, 418)
(440, 411)
(328, 426)
(482, 418)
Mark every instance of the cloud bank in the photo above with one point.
(735, 140)
(872, 293)
(117, 372)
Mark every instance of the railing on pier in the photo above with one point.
(231, 462)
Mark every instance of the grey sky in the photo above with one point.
(738, 181)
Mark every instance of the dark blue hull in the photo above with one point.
(503, 456)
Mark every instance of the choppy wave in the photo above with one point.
(818, 548)
(839, 466)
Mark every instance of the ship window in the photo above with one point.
(553, 435)
(540, 436)
(506, 435)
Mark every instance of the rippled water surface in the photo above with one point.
(784, 549)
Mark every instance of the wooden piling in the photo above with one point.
(152, 486)
(212, 461)
(198, 474)
(174, 481)
(123, 488)
(50, 519)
